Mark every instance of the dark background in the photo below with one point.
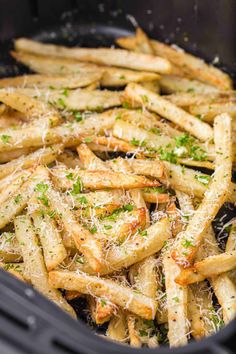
(204, 27)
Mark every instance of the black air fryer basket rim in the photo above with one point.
(58, 322)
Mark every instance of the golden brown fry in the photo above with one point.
(117, 328)
(166, 109)
(207, 112)
(9, 248)
(42, 156)
(34, 262)
(176, 302)
(192, 66)
(83, 239)
(69, 134)
(187, 244)
(208, 267)
(89, 160)
(54, 251)
(30, 107)
(111, 76)
(100, 309)
(14, 186)
(139, 247)
(19, 199)
(105, 56)
(100, 179)
(120, 295)
(52, 82)
(173, 83)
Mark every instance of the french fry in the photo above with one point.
(124, 226)
(143, 277)
(213, 199)
(101, 310)
(14, 186)
(120, 295)
(117, 328)
(185, 99)
(42, 156)
(192, 66)
(13, 154)
(100, 179)
(111, 76)
(97, 199)
(69, 134)
(77, 99)
(138, 248)
(134, 338)
(71, 81)
(83, 239)
(190, 181)
(109, 143)
(202, 316)
(69, 159)
(105, 56)
(176, 303)
(156, 197)
(153, 168)
(19, 199)
(135, 194)
(89, 160)
(9, 248)
(54, 251)
(115, 77)
(139, 136)
(143, 44)
(173, 83)
(16, 269)
(207, 268)
(166, 109)
(29, 106)
(231, 242)
(149, 121)
(208, 111)
(34, 262)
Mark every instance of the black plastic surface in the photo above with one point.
(28, 322)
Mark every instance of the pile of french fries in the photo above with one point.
(102, 192)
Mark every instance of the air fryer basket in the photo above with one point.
(28, 322)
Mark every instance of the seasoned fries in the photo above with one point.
(114, 165)
(213, 199)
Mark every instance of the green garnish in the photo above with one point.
(77, 187)
(5, 138)
(204, 179)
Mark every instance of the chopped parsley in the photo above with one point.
(77, 187)
(128, 207)
(143, 233)
(107, 227)
(77, 115)
(17, 199)
(155, 131)
(70, 176)
(5, 138)
(136, 142)
(93, 229)
(126, 105)
(204, 179)
(103, 302)
(61, 103)
(83, 200)
(41, 187)
(88, 140)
